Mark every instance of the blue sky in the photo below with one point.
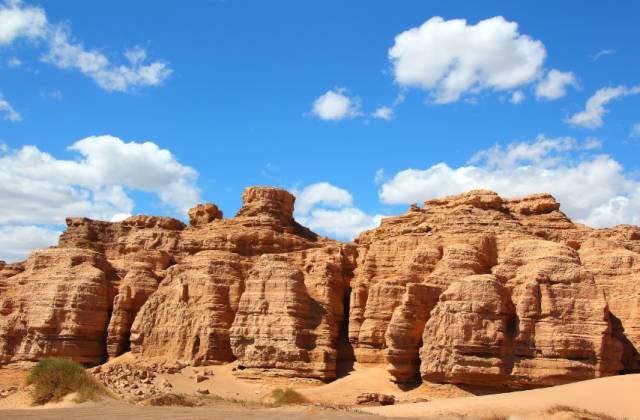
(237, 93)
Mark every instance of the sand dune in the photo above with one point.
(617, 396)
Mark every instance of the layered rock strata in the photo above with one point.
(469, 289)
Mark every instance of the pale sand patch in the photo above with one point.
(618, 396)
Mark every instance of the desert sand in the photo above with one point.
(615, 396)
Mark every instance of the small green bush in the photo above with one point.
(53, 378)
(287, 396)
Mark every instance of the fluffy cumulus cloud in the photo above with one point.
(40, 190)
(335, 105)
(7, 112)
(329, 210)
(554, 85)
(593, 114)
(17, 241)
(593, 188)
(450, 58)
(20, 21)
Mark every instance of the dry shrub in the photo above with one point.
(287, 396)
(54, 378)
(179, 400)
(579, 413)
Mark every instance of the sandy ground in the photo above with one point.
(615, 396)
(122, 410)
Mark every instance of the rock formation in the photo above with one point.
(469, 289)
(57, 306)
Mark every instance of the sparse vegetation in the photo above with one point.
(579, 413)
(179, 400)
(191, 400)
(287, 396)
(54, 378)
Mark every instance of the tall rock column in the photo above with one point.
(273, 328)
(404, 333)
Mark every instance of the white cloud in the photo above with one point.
(14, 62)
(384, 112)
(37, 188)
(601, 53)
(345, 223)
(16, 242)
(594, 110)
(592, 143)
(554, 85)
(335, 105)
(66, 54)
(592, 188)
(17, 21)
(10, 114)
(329, 210)
(321, 193)
(517, 97)
(635, 130)
(450, 57)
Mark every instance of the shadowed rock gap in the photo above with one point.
(630, 355)
(345, 357)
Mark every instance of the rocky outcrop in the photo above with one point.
(403, 337)
(189, 316)
(203, 214)
(564, 331)
(615, 265)
(469, 337)
(562, 323)
(470, 289)
(57, 306)
(539, 320)
(288, 318)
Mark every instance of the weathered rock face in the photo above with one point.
(189, 316)
(58, 306)
(615, 264)
(137, 286)
(468, 338)
(563, 332)
(289, 318)
(404, 334)
(549, 314)
(470, 289)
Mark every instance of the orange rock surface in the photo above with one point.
(470, 289)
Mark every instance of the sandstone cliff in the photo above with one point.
(470, 289)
